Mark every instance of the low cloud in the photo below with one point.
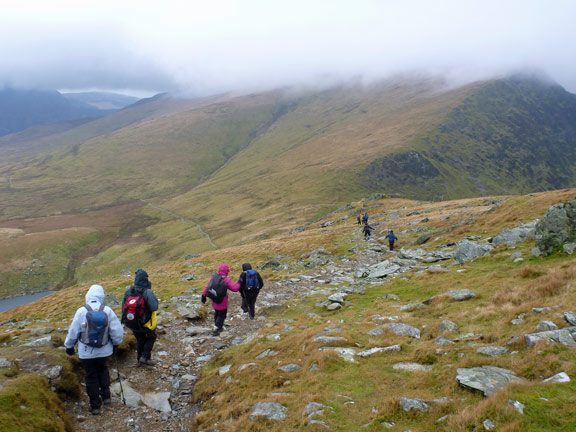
(224, 45)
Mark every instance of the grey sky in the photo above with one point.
(204, 47)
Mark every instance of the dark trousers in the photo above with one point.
(219, 318)
(391, 244)
(249, 301)
(144, 343)
(97, 380)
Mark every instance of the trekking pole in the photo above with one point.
(119, 379)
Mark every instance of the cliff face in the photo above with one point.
(511, 136)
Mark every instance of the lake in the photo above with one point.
(11, 303)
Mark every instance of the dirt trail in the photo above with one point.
(183, 219)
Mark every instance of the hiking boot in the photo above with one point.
(217, 332)
(146, 362)
(107, 401)
(95, 411)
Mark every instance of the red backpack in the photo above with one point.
(133, 311)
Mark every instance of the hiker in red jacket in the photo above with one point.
(221, 309)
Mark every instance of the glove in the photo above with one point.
(70, 351)
(203, 299)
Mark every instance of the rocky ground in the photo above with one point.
(160, 398)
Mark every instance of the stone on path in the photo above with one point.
(42, 342)
(269, 410)
(131, 396)
(158, 401)
(487, 379)
(383, 269)
(194, 330)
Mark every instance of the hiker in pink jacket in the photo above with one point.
(221, 309)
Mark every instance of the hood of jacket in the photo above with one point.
(246, 266)
(141, 280)
(96, 292)
(223, 270)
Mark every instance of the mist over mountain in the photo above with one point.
(102, 100)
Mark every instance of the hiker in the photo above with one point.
(250, 285)
(220, 280)
(365, 218)
(98, 332)
(139, 308)
(367, 231)
(359, 218)
(391, 239)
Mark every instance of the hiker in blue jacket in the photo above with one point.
(94, 358)
(365, 218)
(391, 239)
(250, 285)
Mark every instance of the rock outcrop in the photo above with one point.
(557, 227)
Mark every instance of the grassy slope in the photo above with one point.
(504, 290)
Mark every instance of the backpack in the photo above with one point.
(133, 315)
(217, 289)
(251, 279)
(95, 334)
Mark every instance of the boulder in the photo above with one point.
(467, 251)
(376, 350)
(190, 311)
(383, 269)
(42, 342)
(563, 336)
(247, 366)
(346, 354)
(291, 367)
(461, 295)
(515, 235)
(401, 329)
(330, 340)
(4, 363)
(338, 297)
(486, 379)
(492, 351)
(269, 410)
(561, 377)
(441, 340)
(447, 325)
(223, 370)
(557, 227)
(570, 318)
(333, 306)
(412, 367)
(546, 326)
(409, 404)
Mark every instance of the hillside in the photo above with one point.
(314, 363)
(230, 169)
(102, 100)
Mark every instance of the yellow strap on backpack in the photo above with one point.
(151, 325)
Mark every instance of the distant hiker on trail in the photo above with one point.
(217, 291)
(365, 218)
(367, 231)
(359, 220)
(139, 308)
(98, 332)
(250, 285)
(391, 239)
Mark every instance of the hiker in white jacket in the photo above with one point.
(94, 358)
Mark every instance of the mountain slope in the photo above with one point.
(511, 136)
(102, 100)
(21, 109)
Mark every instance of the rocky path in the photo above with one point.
(184, 346)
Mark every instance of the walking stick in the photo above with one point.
(119, 379)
